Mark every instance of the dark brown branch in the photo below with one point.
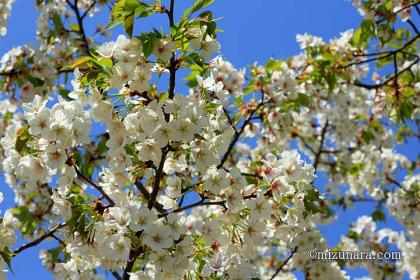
(389, 53)
(411, 23)
(306, 145)
(134, 253)
(397, 91)
(9, 74)
(159, 207)
(173, 65)
(199, 203)
(79, 18)
(59, 240)
(395, 182)
(39, 239)
(156, 182)
(284, 263)
(251, 175)
(238, 134)
(362, 199)
(116, 275)
(321, 145)
(88, 10)
(171, 13)
(93, 184)
(368, 60)
(181, 200)
(229, 119)
(408, 6)
(376, 86)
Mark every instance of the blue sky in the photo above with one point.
(253, 31)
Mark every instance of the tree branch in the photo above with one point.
(79, 18)
(408, 6)
(93, 184)
(134, 253)
(321, 144)
(88, 10)
(397, 91)
(238, 134)
(284, 263)
(376, 86)
(193, 205)
(116, 275)
(389, 53)
(156, 181)
(411, 23)
(395, 182)
(39, 239)
(159, 207)
(171, 13)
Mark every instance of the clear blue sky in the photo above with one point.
(253, 31)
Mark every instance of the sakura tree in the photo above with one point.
(153, 157)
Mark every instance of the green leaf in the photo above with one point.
(303, 100)
(22, 139)
(129, 24)
(36, 82)
(198, 4)
(117, 13)
(55, 253)
(378, 215)
(405, 111)
(353, 235)
(125, 11)
(65, 94)
(74, 27)
(363, 34)
(106, 62)
(7, 256)
(78, 62)
(148, 39)
(273, 65)
(57, 21)
(331, 80)
(131, 5)
(356, 36)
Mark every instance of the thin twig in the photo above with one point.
(88, 10)
(229, 119)
(395, 182)
(193, 205)
(389, 53)
(376, 86)
(284, 263)
(238, 134)
(408, 6)
(93, 184)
